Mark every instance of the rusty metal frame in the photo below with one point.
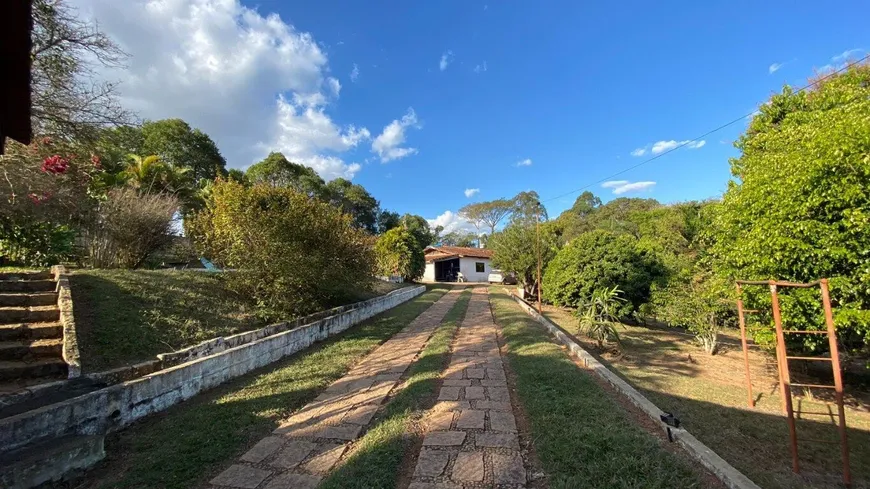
(782, 358)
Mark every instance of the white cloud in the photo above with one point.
(659, 147)
(452, 222)
(480, 68)
(774, 67)
(388, 144)
(354, 73)
(250, 80)
(446, 59)
(622, 186)
(525, 162)
(846, 55)
(471, 192)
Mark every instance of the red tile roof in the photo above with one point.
(444, 252)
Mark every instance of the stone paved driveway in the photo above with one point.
(471, 438)
(308, 444)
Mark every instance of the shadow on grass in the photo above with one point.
(378, 456)
(595, 446)
(188, 444)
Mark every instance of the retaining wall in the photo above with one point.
(729, 476)
(115, 407)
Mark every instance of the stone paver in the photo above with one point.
(311, 442)
(475, 403)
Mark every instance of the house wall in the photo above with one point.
(429, 273)
(467, 267)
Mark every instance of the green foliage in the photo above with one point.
(419, 227)
(601, 260)
(487, 213)
(179, 145)
(459, 238)
(36, 244)
(515, 249)
(399, 253)
(292, 253)
(528, 209)
(699, 305)
(353, 199)
(598, 316)
(278, 171)
(388, 220)
(798, 208)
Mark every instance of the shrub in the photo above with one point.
(600, 260)
(798, 207)
(398, 253)
(701, 305)
(129, 227)
(599, 315)
(514, 250)
(293, 254)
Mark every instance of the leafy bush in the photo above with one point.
(599, 315)
(45, 192)
(293, 254)
(798, 208)
(699, 305)
(129, 226)
(600, 260)
(398, 253)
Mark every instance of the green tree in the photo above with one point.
(356, 201)
(528, 209)
(388, 220)
(399, 253)
(293, 254)
(697, 304)
(487, 213)
(419, 228)
(459, 238)
(601, 260)
(798, 207)
(237, 175)
(277, 170)
(183, 147)
(515, 250)
(151, 175)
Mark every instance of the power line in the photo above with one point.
(686, 143)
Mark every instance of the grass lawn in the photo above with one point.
(190, 443)
(708, 394)
(127, 316)
(377, 457)
(582, 436)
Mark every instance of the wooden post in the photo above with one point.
(784, 377)
(838, 378)
(745, 347)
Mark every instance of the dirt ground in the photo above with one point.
(708, 393)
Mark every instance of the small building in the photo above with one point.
(445, 263)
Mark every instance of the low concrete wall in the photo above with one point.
(67, 320)
(729, 476)
(115, 407)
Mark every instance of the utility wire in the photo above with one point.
(686, 143)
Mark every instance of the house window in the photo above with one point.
(479, 267)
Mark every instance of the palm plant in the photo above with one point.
(598, 316)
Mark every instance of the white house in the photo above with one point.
(444, 263)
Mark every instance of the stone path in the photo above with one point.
(471, 438)
(308, 444)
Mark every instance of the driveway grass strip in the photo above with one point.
(582, 436)
(185, 446)
(377, 457)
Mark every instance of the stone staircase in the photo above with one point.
(31, 336)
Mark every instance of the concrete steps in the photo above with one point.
(31, 337)
(43, 462)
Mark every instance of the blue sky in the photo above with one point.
(455, 94)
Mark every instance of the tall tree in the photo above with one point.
(528, 209)
(182, 146)
(487, 213)
(66, 102)
(388, 220)
(459, 238)
(515, 249)
(278, 171)
(420, 229)
(355, 200)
